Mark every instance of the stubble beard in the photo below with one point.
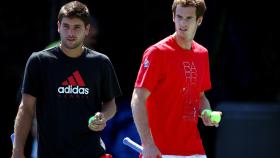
(72, 46)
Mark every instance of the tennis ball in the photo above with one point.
(90, 119)
(206, 112)
(215, 116)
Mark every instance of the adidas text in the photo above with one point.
(72, 90)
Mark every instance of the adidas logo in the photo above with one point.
(73, 85)
(73, 90)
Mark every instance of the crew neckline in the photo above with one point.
(62, 54)
(179, 47)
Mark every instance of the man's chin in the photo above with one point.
(71, 46)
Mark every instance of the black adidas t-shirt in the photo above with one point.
(69, 91)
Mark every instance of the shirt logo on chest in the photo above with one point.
(73, 85)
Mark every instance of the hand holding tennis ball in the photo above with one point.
(97, 122)
(214, 116)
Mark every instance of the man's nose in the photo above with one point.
(184, 22)
(71, 32)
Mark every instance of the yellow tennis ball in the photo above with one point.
(215, 116)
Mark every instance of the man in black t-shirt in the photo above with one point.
(67, 85)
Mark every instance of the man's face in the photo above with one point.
(72, 32)
(186, 22)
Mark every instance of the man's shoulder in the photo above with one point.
(92, 54)
(46, 53)
(161, 47)
(40, 57)
(199, 48)
(164, 43)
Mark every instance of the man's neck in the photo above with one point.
(72, 53)
(183, 42)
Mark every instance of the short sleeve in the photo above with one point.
(150, 71)
(31, 78)
(110, 85)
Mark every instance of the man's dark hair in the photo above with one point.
(75, 9)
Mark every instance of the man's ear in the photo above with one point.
(58, 26)
(87, 28)
(199, 21)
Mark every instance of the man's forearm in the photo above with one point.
(140, 116)
(109, 109)
(204, 103)
(22, 128)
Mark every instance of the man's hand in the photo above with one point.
(151, 151)
(206, 118)
(98, 123)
